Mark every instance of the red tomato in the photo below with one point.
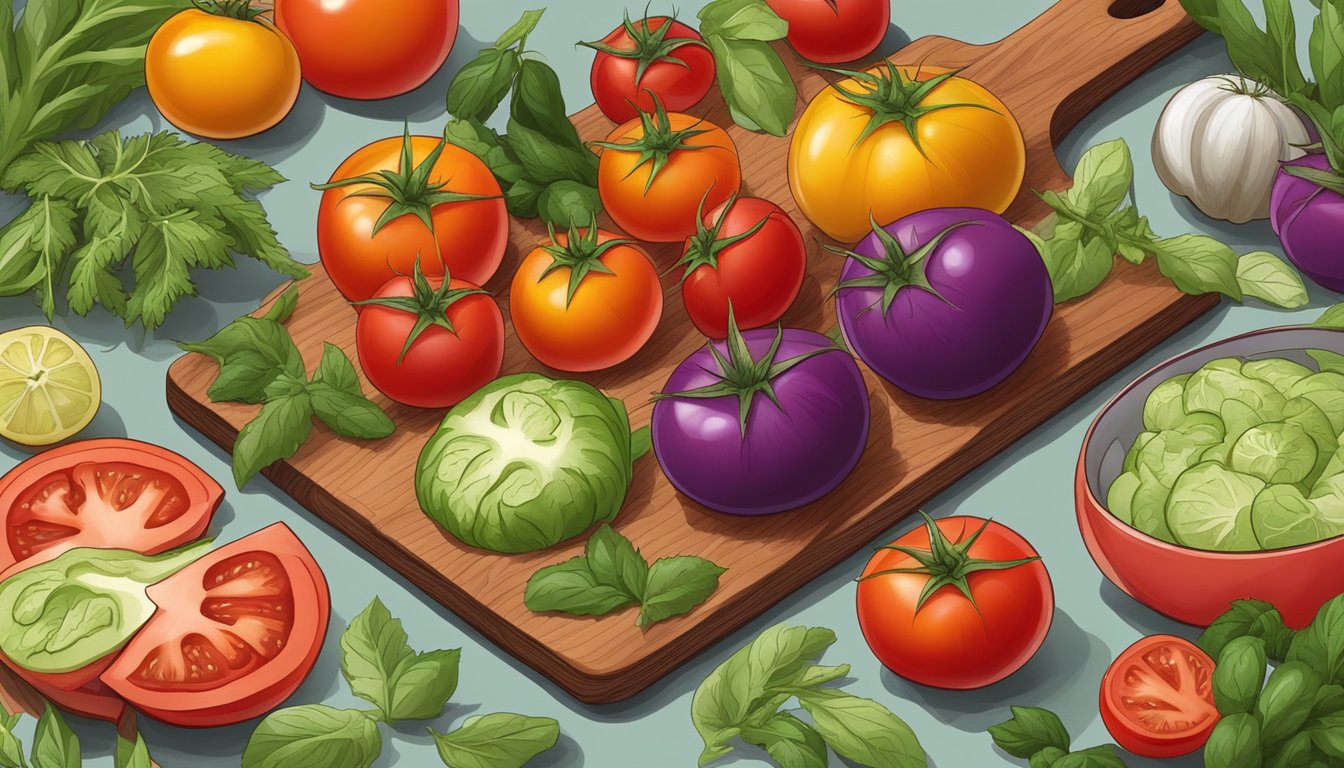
(369, 49)
(469, 235)
(752, 256)
(833, 31)
(94, 699)
(111, 493)
(459, 351)
(950, 641)
(1157, 697)
(234, 635)
(656, 54)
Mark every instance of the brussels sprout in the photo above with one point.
(1276, 453)
(1120, 498)
(1131, 463)
(1277, 372)
(1316, 423)
(1333, 468)
(1326, 390)
(1281, 517)
(1149, 507)
(1216, 382)
(1210, 508)
(1237, 417)
(1165, 406)
(526, 462)
(1173, 451)
(1220, 452)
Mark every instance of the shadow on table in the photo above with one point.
(1141, 617)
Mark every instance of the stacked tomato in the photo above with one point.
(232, 634)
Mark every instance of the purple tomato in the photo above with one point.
(1308, 220)
(774, 440)
(948, 306)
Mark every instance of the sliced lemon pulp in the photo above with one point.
(49, 387)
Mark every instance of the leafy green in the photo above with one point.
(1239, 675)
(1248, 618)
(132, 754)
(502, 740)
(259, 363)
(1266, 56)
(743, 697)
(612, 574)
(1038, 736)
(313, 736)
(54, 744)
(1092, 222)
(1234, 743)
(381, 667)
(758, 89)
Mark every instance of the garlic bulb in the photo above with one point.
(1219, 142)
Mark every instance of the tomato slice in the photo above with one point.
(1157, 697)
(234, 635)
(94, 700)
(109, 493)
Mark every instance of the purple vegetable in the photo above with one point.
(944, 303)
(1309, 221)
(764, 422)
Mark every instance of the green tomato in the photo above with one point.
(1282, 517)
(1277, 372)
(1120, 498)
(1210, 508)
(69, 612)
(526, 462)
(1165, 408)
(1326, 390)
(1276, 453)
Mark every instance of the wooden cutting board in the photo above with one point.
(1050, 74)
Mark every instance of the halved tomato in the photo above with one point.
(1157, 697)
(108, 493)
(234, 635)
(93, 700)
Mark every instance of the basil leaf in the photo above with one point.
(571, 587)
(567, 202)
(862, 730)
(760, 94)
(1286, 702)
(336, 371)
(483, 142)
(54, 744)
(523, 199)
(480, 86)
(283, 307)
(1205, 12)
(1076, 267)
(1254, 618)
(11, 749)
(282, 425)
(676, 585)
(1297, 752)
(1264, 276)
(1030, 730)
(1281, 48)
(1239, 675)
(547, 160)
(538, 104)
(313, 736)
(1326, 53)
(520, 29)
(1329, 700)
(1102, 178)
(1093, 757)
(349, 415)
(742, 20)
(1332, 317)
(1046, 758)
(1234, 743)
(252, 352)
(1327, 735)
(1321, 645)
(615, 562)
(132, 754)
(423, 684)
(1198, 264)
(790, 742)
(373, 645)
(1327, 360)
(497, 741)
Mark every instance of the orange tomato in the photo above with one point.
(221, 77)
(591, 319)
(469, 236)
(699, 166)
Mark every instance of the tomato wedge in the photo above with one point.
(109, 493)
(234, 634)
(1157, 697)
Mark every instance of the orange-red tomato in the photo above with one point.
(469, 236)
(701, 169)
(1157, 697)
(608, 318)
(221, 77)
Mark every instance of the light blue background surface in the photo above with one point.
(1028, 486)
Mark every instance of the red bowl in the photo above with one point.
(1191, 585)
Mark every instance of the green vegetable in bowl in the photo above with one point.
(1283, 517)
(527, 462)
(1210, 508)
(1278, 452)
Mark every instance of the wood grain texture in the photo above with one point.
(1049, 74)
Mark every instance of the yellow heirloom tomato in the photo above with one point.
(895, 140)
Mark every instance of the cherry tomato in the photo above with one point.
(655, 55)
(1157, 697)
(657, 170)
(369, 49)
(834, 31)
(585, 306)
(234, 634)
(747, 253)
(460, 349)
(950, 638)
(221, 77)
(469, 235)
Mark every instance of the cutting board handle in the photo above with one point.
(1072, 57)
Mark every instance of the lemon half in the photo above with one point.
(49, 387)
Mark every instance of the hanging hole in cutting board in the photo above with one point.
(1132, 9)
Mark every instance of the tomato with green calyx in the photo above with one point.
(658, 171)
(655, 55)
(747, 254)
(1157, 697)
(834, 31)
(429, 343)
(406, 199)
(960, 603)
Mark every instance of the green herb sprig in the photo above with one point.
(611, 574)
(259, 363)
(1092, 221)
(56, 746)
(757, 87)
(402, 684)
(1038, 736)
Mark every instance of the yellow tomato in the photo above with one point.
(970, 151)
(221, 77)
